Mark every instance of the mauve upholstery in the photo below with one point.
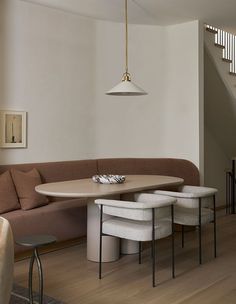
(161, 166)
(67, 219)
(25, 183)
(58, 171)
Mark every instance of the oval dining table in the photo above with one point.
(87, 188)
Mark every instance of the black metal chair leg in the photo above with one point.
(233, 188)
(200, 230)
(214, 209)
(100, 244)
(173, 241)
(228, 181)
(140, 252)
(30, 282)
(40, 273)
(182, 230)
(153, 249)
(230, 193)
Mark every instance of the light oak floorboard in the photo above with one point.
(69, 277)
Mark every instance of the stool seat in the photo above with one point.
(36, 240)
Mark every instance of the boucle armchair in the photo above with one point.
(136, 221)
(194, 208)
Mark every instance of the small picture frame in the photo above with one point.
(13, 129)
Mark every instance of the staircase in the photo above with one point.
(219, 105)
(221, 47)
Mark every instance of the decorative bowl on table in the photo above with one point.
(108, 179)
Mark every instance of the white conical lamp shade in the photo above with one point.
(126, 88)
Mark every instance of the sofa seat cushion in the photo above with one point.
(65, 220)
(25, 183)
(8, 197)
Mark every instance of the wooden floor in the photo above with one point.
(71, 278)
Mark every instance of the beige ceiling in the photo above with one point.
(221, 13)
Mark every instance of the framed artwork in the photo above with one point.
(13, 129)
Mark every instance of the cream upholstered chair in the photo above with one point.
(6, 261)
(136, 221)
(195, 206)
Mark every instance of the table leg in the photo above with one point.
(110, 245)
(129, 247)
(36, 257)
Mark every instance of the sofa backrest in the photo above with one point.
(160, 166)
(58, 171)
(69, 170)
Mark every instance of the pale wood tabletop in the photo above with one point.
(88, 188)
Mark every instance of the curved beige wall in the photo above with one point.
(57, 67)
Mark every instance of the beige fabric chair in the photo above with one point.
(137, 221)
(195, 206)
(6, 261)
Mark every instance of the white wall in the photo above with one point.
(216, 161)
(47, 70)
(164, 61)
(57, 66)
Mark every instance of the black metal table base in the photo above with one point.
(35, 242)
(36, 257)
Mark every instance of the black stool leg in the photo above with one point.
(35, 256)
(200, 230)
(40, 273)
(31, 279)
(214, 209)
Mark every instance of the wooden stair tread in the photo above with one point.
(211, 30)
(219, 45)
(227, 60)
(232, 73)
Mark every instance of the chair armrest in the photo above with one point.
(153, 200)
(172, 194)
(143, 203)
(199, 191)
(189, 192)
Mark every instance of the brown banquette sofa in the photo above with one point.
(66, 218)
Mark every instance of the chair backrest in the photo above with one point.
(132, 214)
(140, 210)
(6, 261)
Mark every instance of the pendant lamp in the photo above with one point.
(126, 87)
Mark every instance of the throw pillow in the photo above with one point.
(8, 197)
(25, 183)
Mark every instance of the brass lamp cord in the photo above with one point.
(126, 76)
(126, 36)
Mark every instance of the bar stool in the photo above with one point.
(35, 242)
